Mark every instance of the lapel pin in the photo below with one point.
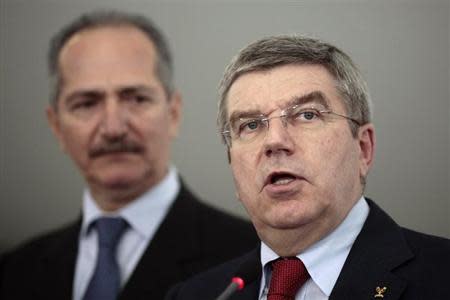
(380, 292)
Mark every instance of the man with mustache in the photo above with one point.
(115, 112)
(295, 116)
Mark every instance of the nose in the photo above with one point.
(114, 122)
(278, 141)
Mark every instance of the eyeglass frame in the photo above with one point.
(265, 119)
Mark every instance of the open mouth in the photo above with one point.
(280, 178)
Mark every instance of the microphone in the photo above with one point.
(248, 272)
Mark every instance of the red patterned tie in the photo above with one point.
(288, 275)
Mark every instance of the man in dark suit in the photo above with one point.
(294, 113)
(115, 112)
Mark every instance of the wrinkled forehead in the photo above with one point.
(276, 88)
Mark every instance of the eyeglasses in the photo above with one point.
(296, 119)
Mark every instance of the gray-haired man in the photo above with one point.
(294, 113)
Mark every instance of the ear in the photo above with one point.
(366, 137)
(175, 113)
(54, 123)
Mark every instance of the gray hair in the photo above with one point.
(96, 19)
(271, 52)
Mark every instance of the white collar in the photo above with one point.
(143, 213)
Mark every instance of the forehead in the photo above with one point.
(270, 89)
(107, 47)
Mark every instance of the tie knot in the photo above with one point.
(109, 231)
(288, 275)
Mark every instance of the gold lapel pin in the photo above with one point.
(380, 292)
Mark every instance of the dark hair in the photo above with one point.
(164, 67)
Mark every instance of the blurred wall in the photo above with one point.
(402, 48)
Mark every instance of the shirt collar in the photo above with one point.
(324, 259)
(144, 213)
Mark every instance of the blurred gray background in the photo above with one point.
(402, 48)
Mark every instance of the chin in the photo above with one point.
(117, 183)
(287, 223)
(290, 217)
(119, 180)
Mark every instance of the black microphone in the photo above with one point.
(248, 272)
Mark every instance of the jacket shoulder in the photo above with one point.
(427, 246)
(224, 230)
(27, 264)
(32, 251)
(221, 233)
(43, 243)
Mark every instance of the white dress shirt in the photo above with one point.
(323, 260)
(144, 215)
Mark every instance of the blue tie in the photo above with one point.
(105, 283)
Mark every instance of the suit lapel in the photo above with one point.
(58, 266)
(378, 249)
(167, 258)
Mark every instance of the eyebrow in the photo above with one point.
(312, 97)
(88, 93)
(137, 88)
(94, 93)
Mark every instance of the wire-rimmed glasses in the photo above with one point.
(296, 118)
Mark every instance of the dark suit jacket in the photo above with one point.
(192, 238)
(409, 264)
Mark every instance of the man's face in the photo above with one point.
(291, 178)
(113, 116)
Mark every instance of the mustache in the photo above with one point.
(115, 147)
